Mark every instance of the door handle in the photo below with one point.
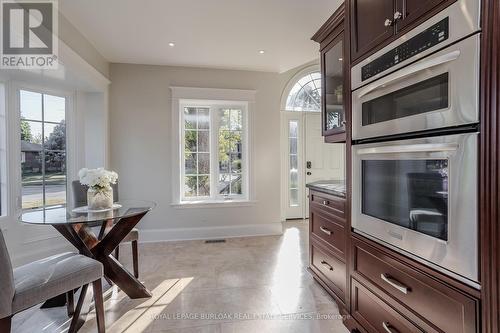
(395, 283)
(388, 328)
(325, 230)
(308, 173)
(410, 70)
(387, 22)
(417, 148)
(327, 265)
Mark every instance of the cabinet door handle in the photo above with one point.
(388, 328)
(387, 22)
(326, 202)
(325, 230)
(395, 283)
(327, 265)
(397, 15)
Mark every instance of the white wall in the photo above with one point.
(74, 39)
(140, 136)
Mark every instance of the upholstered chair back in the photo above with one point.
(80, 193)
(7, 288)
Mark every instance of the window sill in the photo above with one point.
(213, 204)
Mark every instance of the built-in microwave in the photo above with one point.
(419, 197)
(438, 91)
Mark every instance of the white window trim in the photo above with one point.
(15, 143)
(235, 97)
(5, 167)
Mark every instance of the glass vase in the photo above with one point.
(99, 199)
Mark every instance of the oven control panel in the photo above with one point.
(421, 42)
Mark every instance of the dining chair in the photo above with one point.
(36, 282)
(80, 199)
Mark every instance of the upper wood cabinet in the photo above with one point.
(371, 24)
(332, 72)
(375, 23)
(335, 70)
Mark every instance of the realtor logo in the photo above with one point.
(28, 40)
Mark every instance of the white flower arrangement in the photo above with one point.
(97, 179)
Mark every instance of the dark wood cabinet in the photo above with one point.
(371, 24)
(332, 72)
(335, 92)
(327, 243)
(376, 23)
(434, 302)
(429, 300)
(330, 269)
(414, 11)
(375, 315)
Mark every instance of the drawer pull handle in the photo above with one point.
(395, 283)
(326, 202)
(388, 328)
(325, 230)
(327, 265)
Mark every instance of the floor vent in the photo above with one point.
(210, 241)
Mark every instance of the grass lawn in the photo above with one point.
(57, 178)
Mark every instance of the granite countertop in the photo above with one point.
(333, 187)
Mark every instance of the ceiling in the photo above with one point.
(207, 33)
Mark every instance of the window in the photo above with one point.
(305, 95)
(214, 162)
(293, 180)
(43, 149)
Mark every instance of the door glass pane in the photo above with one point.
(410, 193)
(426, 96)
(293, 129)
(334, 87)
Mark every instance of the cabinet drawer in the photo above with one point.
(327, 229)
(330, 203)
(437, 304)
(375, 315)
(331, 269)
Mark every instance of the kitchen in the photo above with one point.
(214, 168)
(408, 242)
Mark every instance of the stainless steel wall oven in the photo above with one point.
(420, 197)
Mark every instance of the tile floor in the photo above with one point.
(253, 284)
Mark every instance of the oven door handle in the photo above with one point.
(418, 148)
(410, 70)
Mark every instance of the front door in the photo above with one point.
(307, 158)
(323, 161)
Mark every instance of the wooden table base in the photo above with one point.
(100, 248)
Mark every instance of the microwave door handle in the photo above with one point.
(418, 148)
(410, 70)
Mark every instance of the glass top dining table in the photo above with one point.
(78, 227)
(64, 215)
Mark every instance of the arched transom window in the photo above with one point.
(305, 95)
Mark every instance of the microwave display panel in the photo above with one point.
(410, 193)
(428, 38)
(425, 96)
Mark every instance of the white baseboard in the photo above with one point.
(159, 235)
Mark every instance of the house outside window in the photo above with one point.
(214, 149)
(43, 149)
